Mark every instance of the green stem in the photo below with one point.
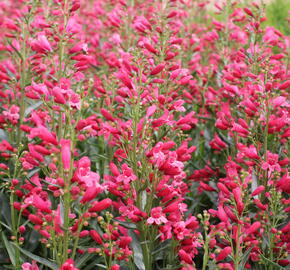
(22, 83)
(266, 139)
(205, 255)
(15, 220)
(77, 239)
(15, 230)
(66, 221)
(237, 251)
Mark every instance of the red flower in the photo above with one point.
(68, 265)
(101, 205)
(184, 256)
(224, 253)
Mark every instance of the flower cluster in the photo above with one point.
(143, 135)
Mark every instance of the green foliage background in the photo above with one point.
(278, 15)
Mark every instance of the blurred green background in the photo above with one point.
(277, 12)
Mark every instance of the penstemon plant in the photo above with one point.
(143, 135)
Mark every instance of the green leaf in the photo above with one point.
(126, 225)
(83, 260)
(277, 266)
(102, 266)
(32, 172)
(6, 226)
(5, 209)
(3, 135)
(245, 259)
(32, 241)
(32, 107)
(138, 255)
(9, 248)
(38, 259)
(164, 246)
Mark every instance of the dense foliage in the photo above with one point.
(143, 134)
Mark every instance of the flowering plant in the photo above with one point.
(143, 135)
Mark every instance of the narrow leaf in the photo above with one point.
(3, 135)
(126, 225)
(9, 248)
(32, 107)
(5, 209)
(83, 260)
(138, 255)
(101, 265)
(245, 259)
(38, 259)
(277, 266)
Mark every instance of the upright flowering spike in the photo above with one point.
(65, 153)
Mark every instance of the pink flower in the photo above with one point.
(284, 184)
(68, 265)
(36, 90)
(73, 26)
(12, 115)
(44, 134)
(258, 190)
(251, 152)
(107, 115)
(150, 111)
(184, 256)
(157, 69)
(93, 188)
(271, 163)
(224, 253)
(65, 153)
(28, 266)
(222, 214)
(58, 95)
(217, 143)
(95, 235)
(180, 230)
(89, 179)
(39, 203)
(157, 216)
(115, 267)
(41, 44)
(254, 227)
(101, 205)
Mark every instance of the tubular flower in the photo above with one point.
(65, 153)
(157, 216)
